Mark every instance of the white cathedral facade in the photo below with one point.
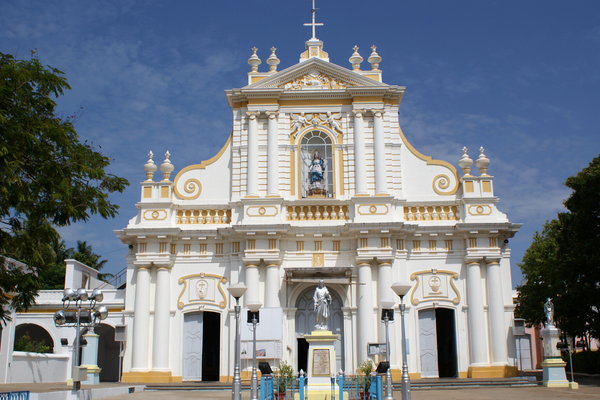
(317, 181)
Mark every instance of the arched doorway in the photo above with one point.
(305, 322)
(437, 336)
(201, 346)
(108, 353)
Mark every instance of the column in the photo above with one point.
(272, 286)
(252, 168)
(89, 358)
(251, 283)
(379, 143)
(162, 317)
(272, 156)
(141, 320)
(360, 165)
(384, 289)
(365, 310)
(496, 312)
(476, 315)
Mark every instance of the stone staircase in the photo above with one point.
(419, 384)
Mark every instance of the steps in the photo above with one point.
(420, 384)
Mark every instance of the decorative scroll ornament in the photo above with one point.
(202, 289)
(314, 80)
(302, 120)
(434, 285)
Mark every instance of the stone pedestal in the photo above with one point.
(553, 366)
(89, 359)
(321, 361)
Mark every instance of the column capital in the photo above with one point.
(473, 260)
(272, 264)
(253, 114)
(377, 112)
(492, 260)
(272, 114)
(358, 113)
(251, 263)
(384, 261)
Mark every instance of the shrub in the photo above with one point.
(285, 373)
(24, 343)
(585, 361)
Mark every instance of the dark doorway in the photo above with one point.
(302, 355)
(446, 343)
(211, 346)
(108, 353)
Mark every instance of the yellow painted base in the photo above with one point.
(463, 374)
(492, 371)
(150, 377)
(225, 379)
(555, 384)
(397, 375)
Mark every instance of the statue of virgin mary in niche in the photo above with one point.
(316, 170)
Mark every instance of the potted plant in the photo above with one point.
(285, 376)
(365, 368)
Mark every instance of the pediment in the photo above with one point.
(315, 74)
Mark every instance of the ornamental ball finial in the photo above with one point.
(150, 168)
(273, 61)
(355, 59)
(374, 59)
(166, 167)
(465, 163)
(254, 61)
(482, 162)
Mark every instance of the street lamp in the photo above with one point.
(401, 288)
(253, 318)
(387, 315)
(76, 319)
(237, 290)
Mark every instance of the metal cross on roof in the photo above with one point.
(313, 24)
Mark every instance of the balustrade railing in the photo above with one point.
(317, 213)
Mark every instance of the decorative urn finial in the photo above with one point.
(166, 167)
(482, 162)
(356, 59)
(465, 163)
(374, 59)
(254, 61)
(150, 168)
(273, 61)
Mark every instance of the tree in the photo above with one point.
(86, 255)
(48, 178)
(52, 276)
(563, 263)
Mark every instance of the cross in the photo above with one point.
(313, 24)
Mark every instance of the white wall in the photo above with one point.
(38, 368)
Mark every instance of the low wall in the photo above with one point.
(38, 368)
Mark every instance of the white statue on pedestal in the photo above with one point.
(549, 311)
(322, 300)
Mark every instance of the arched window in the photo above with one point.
(33, 338)
(316, 162)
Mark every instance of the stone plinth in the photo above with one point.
(321, 360)
(553, 366)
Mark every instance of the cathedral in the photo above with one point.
(317, 181)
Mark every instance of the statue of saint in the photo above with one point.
(322, 300)
(316, 169)
(549, 311)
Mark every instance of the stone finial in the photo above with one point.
(150, 168)
(273, 61)
(166, 167)
(374, 59)
(356, 59)
(465, 163)
(482, 162)
(254, 61)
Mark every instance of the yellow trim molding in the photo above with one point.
(431, 161)
(492, 371)
(150, 377)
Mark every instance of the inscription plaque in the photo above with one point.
(321, 365)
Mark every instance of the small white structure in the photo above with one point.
(55, 366)
(317, 181)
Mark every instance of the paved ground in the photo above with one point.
(589, 389)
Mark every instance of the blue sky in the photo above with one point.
(520, 78)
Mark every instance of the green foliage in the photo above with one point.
(584, 361)
(284, 374)
(563, 263)
(52, 276)
(24, 343)
(48, 178)
(366, 368)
